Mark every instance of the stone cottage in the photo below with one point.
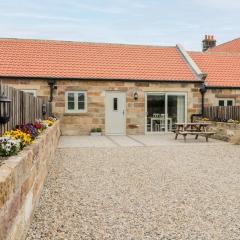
(122, 89)
(222, 65)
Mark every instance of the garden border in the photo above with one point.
(21, 180)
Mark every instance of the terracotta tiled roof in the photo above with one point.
(230, 47)
(223, 70)
(61, 59)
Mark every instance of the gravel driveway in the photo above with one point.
(163, 192)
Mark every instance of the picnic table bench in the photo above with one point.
(198, 128)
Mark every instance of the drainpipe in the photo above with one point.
(51, 84)
(202, 90)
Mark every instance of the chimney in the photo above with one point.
(208, 42)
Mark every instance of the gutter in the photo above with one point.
(223, 87)
(100, 79)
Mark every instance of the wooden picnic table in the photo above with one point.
(197, 128)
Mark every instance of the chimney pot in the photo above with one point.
(208, 42)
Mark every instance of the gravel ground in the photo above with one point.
(164, 192)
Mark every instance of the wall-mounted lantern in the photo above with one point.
(5, 109)
(44, 109)
(135, 96)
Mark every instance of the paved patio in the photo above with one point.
(176, 191)
(132, 141)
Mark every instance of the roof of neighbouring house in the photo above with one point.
(232, 46)
(65, 59)
(223, 69)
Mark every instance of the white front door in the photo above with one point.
(115, 113)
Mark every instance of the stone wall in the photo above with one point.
(213, 95)
(21, 181)
(225, 131)
(82, 123)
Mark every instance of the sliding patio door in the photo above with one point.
(163, 110)
(175, 110)
(155, 113)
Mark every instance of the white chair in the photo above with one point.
(156, 115)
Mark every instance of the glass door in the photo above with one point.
(163, 110)
(175, 110)
(155, 106)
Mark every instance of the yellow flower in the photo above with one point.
(18, 134)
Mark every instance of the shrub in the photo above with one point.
(99, 130)
(93, 130)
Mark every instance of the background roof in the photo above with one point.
(223, 70)
(232, 46)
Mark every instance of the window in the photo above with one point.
(115, 104)
(76, 102)
(226, 102)
(31, 92)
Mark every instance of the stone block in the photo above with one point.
(7, 183)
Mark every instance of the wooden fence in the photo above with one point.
(25, 108)
(222, 114)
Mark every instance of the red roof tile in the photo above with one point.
(60, 59)
(223, 70)
(230, 47)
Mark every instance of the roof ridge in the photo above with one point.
(190, 62)
(87, 43)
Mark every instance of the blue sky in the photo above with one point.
(157, 22)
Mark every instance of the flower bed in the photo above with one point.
(27, 153)
(15, 140)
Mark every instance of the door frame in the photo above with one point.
(166, 94)
(125, 112)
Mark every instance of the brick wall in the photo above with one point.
(21, 181)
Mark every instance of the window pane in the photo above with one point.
(70, 97)
(115, 104)
(81, 97)
(229, 102)
(71, 105)
(221, 102)
(80, 105)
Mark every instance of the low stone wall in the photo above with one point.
(21, 181)
(225, 131)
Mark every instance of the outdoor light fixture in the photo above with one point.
(135, 96)
(44, 108)
(5, 109)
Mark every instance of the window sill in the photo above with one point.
(76, 114)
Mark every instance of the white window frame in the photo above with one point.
(31, 91)
(76, 110)
(225, 101)
(166, 94)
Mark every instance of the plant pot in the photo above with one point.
(95, 134)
